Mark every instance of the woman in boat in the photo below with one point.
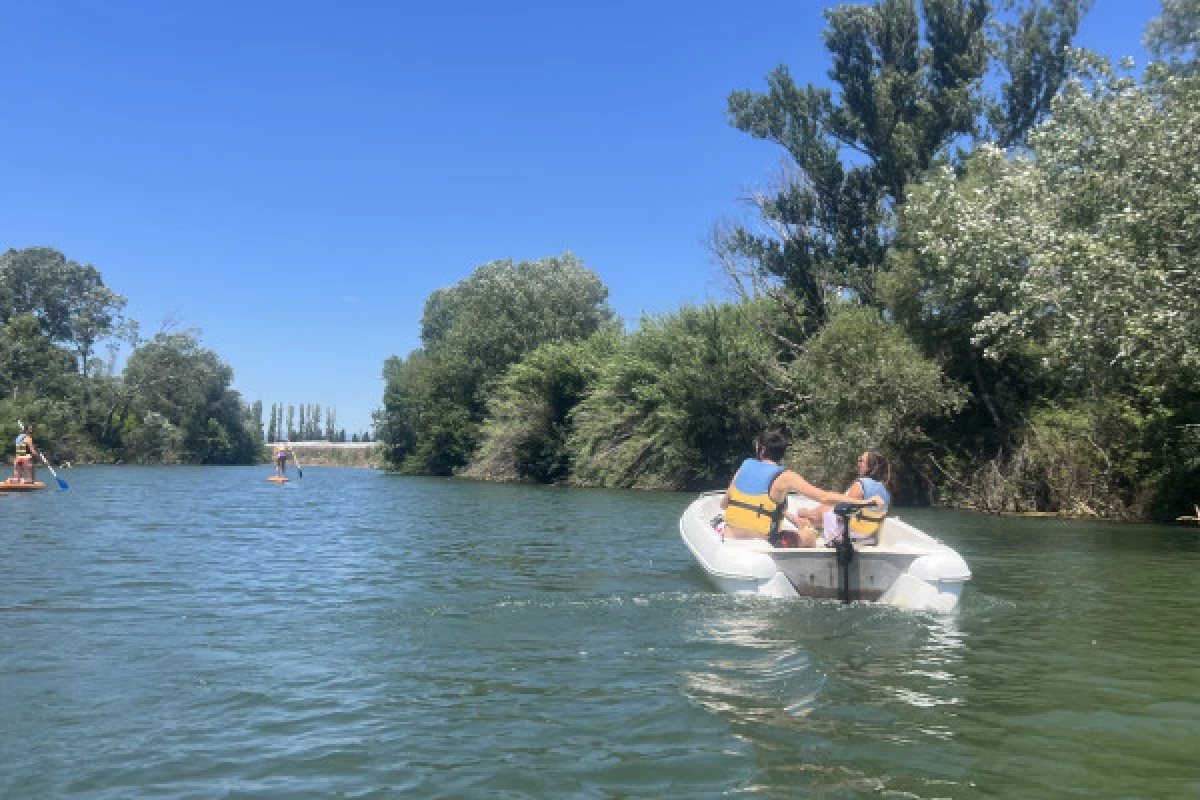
(874, 473)
(23, 467)
(756, 501)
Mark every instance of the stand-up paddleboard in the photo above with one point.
(277, 479)
(12, 486)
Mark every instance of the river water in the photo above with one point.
(201, 633)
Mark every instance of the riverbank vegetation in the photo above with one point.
(172, 402)
(981, 257)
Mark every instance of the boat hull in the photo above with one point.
(908, 569)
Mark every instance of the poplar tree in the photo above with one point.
(908, 87)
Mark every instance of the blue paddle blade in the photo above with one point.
(62, 484)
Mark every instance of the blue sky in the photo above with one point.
(295, 178)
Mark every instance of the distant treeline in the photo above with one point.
(309, 427)
(981, 257)
(172, 402)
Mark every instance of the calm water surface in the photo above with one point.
(201, 633)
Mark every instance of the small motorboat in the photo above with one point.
(907, 568)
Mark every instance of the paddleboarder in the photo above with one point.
(281, 457)
(23, 466)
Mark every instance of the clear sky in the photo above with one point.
(295, 178)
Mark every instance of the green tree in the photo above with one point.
(867, 386)
(1174, 37)
(256, 413)
(909, 86)
(1064, 285)
(1030, 50)
(435, 399)
(528, 424)
(69, 300)
(678, 406)
(30, 364)
(188, 386)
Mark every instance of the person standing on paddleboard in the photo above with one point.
(281, 456)
(23, 463)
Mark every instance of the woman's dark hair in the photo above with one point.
(878, 467)
(772, 443)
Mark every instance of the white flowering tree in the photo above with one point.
(1084, 252)
(1063, 284)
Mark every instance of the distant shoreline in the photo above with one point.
(332, 454)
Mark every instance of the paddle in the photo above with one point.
(61, 483)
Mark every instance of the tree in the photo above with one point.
(1089, 247)
(868, 387)
(909, 87)
(30, 364)
(1065, 283)
(69, 300)
(678, 405)
(1031, 51)
(256, 413)
(825, 225)
(187, 386)
(528, 424)
(435, 399)
(1174, 37)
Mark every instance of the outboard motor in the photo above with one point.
(843, 547)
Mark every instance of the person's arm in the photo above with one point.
(795, 483)
(818, 512)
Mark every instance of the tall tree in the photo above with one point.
(1174, 37)
(1030, 48)
(256, 412)
(435, 400)
(1065, 286)
(69, 300)
(908, 87)
(188, 387)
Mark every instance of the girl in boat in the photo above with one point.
(874, 473)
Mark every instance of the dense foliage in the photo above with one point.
(1062, 286)
(172, 402)
(981, 258)
(677, 405)
(435, 400)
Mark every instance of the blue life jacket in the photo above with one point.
(868, 521)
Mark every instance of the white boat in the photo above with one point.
(907, 568)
